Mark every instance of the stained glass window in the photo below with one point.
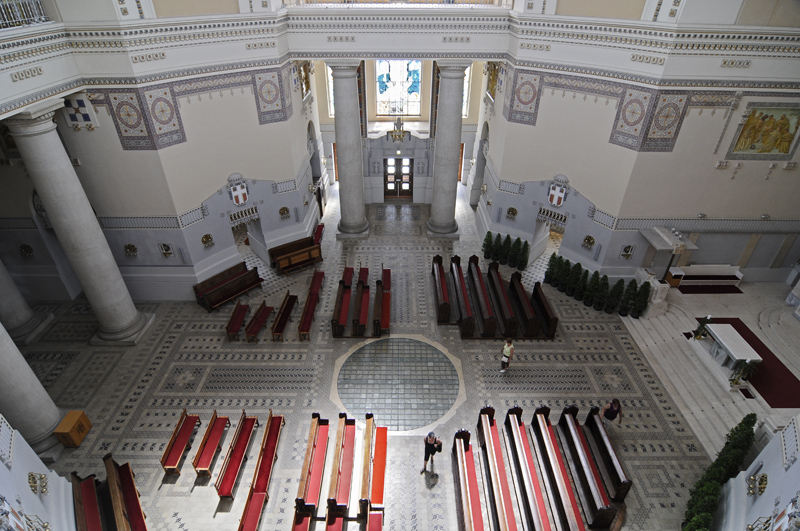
(398, 87)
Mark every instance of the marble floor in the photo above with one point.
(134, 395)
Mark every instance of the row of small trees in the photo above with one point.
(595, 290)
(501, 250)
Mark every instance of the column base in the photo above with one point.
(125, 341)
(449, 230)
(348, 232)
(26, 334)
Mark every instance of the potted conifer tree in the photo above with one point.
(496, 246)
(642, 300)
(555, 278)
(505, 250)
(602, 294)
(580, 289)
(628, 298)
(551, 268)
(615, 296)
(591, 289)
(513, 254)
(564, 275)
(487, 246)
(574, 278)
(524, 254)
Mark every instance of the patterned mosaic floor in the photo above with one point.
(135, 395)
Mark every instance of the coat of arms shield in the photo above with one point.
(557, 194)
(239, 193)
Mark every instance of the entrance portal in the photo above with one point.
(398, 178)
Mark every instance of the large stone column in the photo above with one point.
(348, 147)
(75, 224)
(16, 316)
(23, 400)
(448, 147)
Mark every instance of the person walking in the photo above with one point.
(612, 410)
(432, 445)
(508, 353)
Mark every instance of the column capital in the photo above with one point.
(343, 67)
(35, 119)
(453, 67)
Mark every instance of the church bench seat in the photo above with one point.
(236, 321)
(617, 482)
(343, 463)
(252, 511)
(486, 320)
(87, 506)
(377, 309)
(295, 255)
(318, 233)
(210, 444)
(126, 506)
(316, 281)
(375, 521)
(361, 309)
(468, 490)
(257, 322)
(544, 311)
(505, 312)
(526, 317)
(373, 467)
(226, 286)
(499, 493)
(232, 464)
(440, 294)
(179, 442)
(378, 479)
(341, 307)
(309, 491)
(283, 316)
(386, 311)
(267, 455)
(201, 288)
(466, 321)
(307, 317)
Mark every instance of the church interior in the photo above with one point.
(386, 186)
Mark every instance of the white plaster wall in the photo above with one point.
(707, 11)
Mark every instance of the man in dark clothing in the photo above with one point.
(432, 445)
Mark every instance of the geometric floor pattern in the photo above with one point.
(134, 395)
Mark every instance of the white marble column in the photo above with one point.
(19, 320)
(448, 147)
(23, 401)
(75, 224)
(349, 156)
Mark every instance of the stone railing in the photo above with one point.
(15, 13)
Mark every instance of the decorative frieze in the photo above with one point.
(735, 63)
(341, 38)
(27, 73)
(652, 59)
(534, 46)
(459, 40)
(141, 58)
(260, 45)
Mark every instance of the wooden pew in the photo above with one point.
(343, 463)
(201, 288)
(310, 490)
(225, 286)
(373, 473)
(508, 319)
(586, 478)
(563, 505)
(466, 320)
(487, 322)
(307, 317)
(267, 455)
(127, 507)
(375, 521)
(377, 308)
(526, 316)
(616, 480)
(294, 256)
(544, 312)
(440, 294)
(533, 500)
(87, 506)
(236, 321)
(467, 483)
(210, 444)
(179, 442)
(316, 282)
(386, 300)
(499, 493)
(361, 308)
(318, 233)
(341, 308)
(283, 315)
(236, 454)
(257, 322)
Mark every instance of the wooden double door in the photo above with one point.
(398, 178)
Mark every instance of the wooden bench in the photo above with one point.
(309, 491)
(508, 320)
(87, 506)
(440, 294)
(565, 510)
(361, 309)
(236, 321)
(210, 444)
(318, 233)
(499, 494)
(225, 286)
(373, 473)
(343, 463)
(586, 478)
(267, 455)
(377, 308)
(296, 255)
(711, 275)
(341, 308)
(487, 322)
(375, 521)
(544, 312)
(304, 326)
(257, 322)
(127, 506)
(466, 321)
(237, 453)
(316, 282)
(469, 493)
(283, 316)
(526, 316)
(617, 482)
(179, 442)
(533, 500)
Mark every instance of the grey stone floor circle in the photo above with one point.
(405, 383)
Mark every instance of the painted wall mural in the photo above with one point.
(768, 131)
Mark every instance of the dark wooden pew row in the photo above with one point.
(257, 322)
(317, 280)
(309, 492)
(86, 503)
(361, 308)
(487, 322)
(236, 321)
(267, 455)
(377, 308)
(526, 316)
(304, 327)
(507, 318)
(341, 308)
(127, 507)
(296, 255)
(597, 507)
(210, 444)
(533, 500)
(616, 480)
(236, 454)
(342, 473)
(225, 286)
(499, 492)
(318, 233)
(283, 316)
(373, 473)
(440, 294)
(386, 300)
(466, 321)
(179, 442)
(544, 312)
(469, 493)
(563, 505)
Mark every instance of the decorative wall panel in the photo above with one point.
(666, 121)
(164, 117)
(526, 94)
(767, 131)
(633, 115)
